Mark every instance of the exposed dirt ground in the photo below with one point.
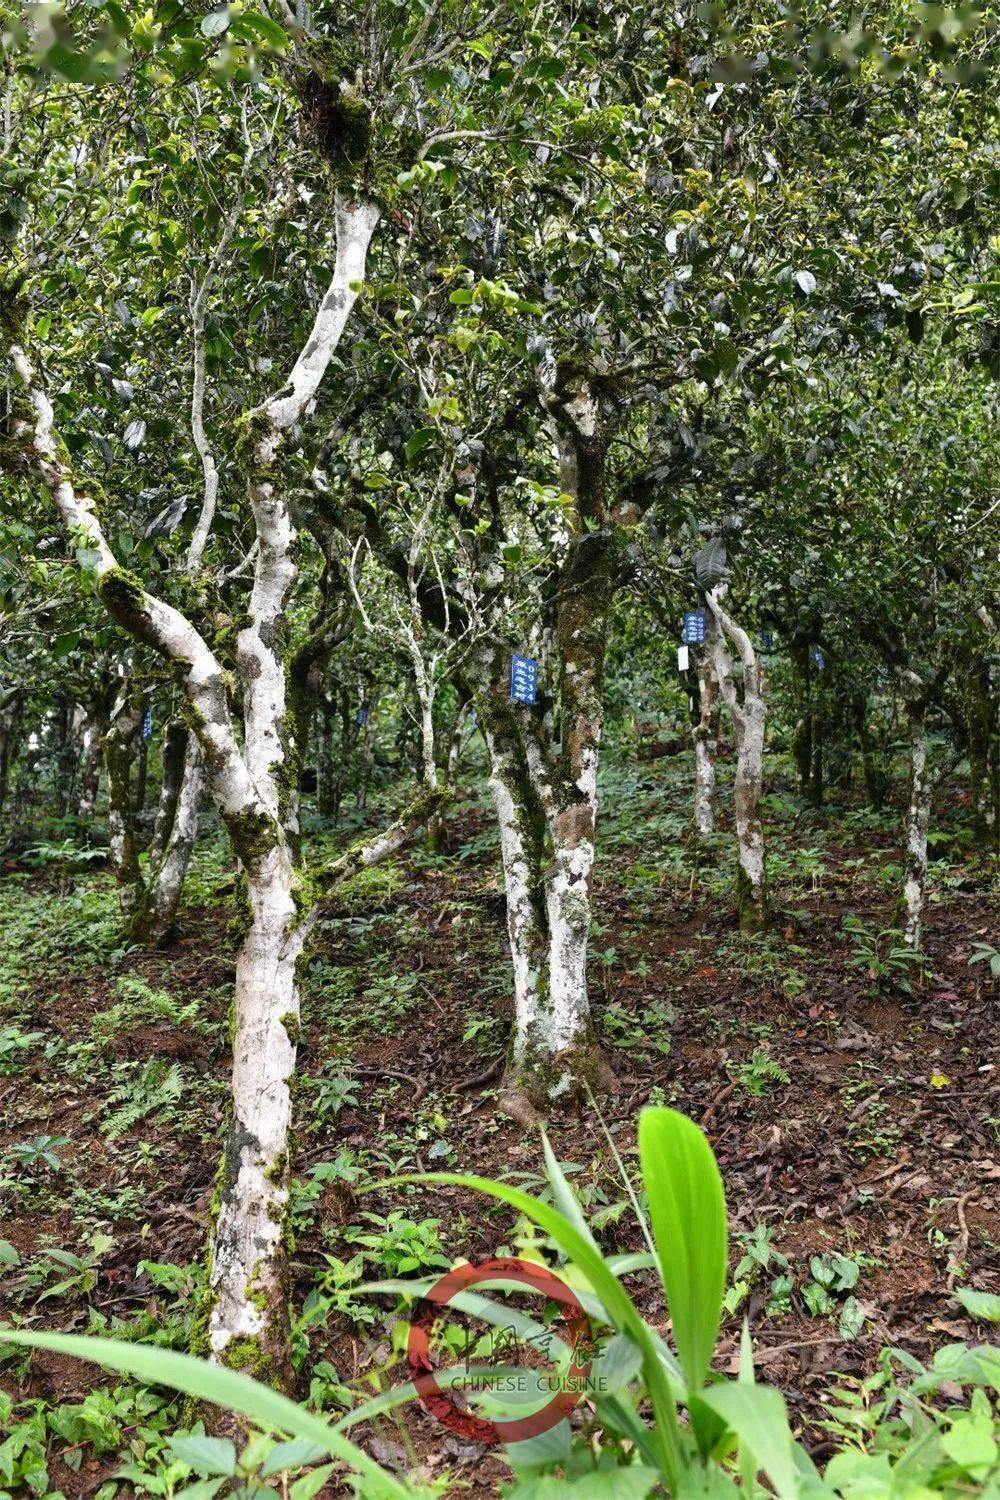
(872, 1132)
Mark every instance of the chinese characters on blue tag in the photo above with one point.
(523, 679)
(147, 724)
(694, 627)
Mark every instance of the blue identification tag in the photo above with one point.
(362, 716)
(767, 640)
(694, 627)
(819, 658)
(147, 724)
(523, 679)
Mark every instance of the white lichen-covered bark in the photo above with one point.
(704, 733)
(93, 734)
(426, 692)
(250, 785)
(248, 1263)
(919, 810)
(748, 712)
(260, 647)
(568, 900)
(150, 619)
(355, 226)
(521, 856)
(917, 820)
(249, 1272)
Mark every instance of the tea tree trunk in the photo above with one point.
(120, 745)
(248, 1282)
(248, 1316)
(522, 823)
(918, 813)
(175, 742)
(11, 704)
(748, 712)
(94, 731)
(705, 733)
(158, 912)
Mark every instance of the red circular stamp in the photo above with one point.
(558, 1391)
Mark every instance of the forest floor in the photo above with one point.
(851, 1097)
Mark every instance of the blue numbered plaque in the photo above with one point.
(819, 658)
(147, 724)
(362, 715)
(694, 627)
(523, 679)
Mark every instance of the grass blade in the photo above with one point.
(222, 1387)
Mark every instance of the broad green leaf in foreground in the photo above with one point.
(688, 1208)
(228, 1388)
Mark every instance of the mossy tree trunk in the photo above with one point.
(94, 729)
(524, 847)
(253, 787)
(175, 743)
(11, 712)
(141, 776)
(456, 741)
(545, 784)
(748, 711)
(120, 744)
(817, 769)
(704, 681)
(169, 860)
(918, 812)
